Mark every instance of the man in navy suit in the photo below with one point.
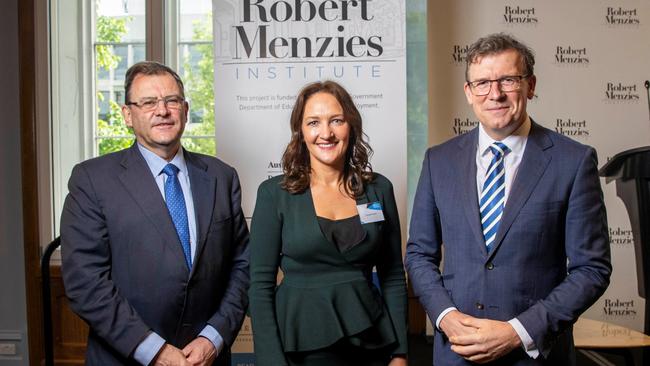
(154, 242)
(520, 213)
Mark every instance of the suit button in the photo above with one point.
(479, 306)
(490, 266)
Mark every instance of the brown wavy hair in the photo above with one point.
(496, 43)
(295, 162)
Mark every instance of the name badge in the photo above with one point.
(370, 212)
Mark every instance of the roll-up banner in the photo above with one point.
(267, 50)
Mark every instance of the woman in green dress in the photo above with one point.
(326, 223)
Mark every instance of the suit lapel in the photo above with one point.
(533, 164)
(203, 195)
(141, 185)
(467, 181)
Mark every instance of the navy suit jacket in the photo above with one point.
(123, 266)
(551, 258)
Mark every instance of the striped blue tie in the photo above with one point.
(493, 194)
(177, 209)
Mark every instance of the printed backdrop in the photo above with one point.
(592, 60)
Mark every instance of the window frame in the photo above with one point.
(74, 79)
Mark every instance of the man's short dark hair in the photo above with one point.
(497, 43)
(149, 68)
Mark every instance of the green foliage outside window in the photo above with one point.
(112, 133)
(198, 81)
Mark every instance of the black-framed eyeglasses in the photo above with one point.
(149, 104)
(506, 84)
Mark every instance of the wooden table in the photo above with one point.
(598, 335)
(588, 333)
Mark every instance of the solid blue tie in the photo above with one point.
(176, 206)
(493, 194)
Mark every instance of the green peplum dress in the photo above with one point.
(326, 309)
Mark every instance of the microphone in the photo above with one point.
(647, 91)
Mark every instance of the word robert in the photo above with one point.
(253, 38)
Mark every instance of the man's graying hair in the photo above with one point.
(149, 68)
(497, 43)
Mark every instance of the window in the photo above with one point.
(92, 44)
(195, 66)
(118, 42)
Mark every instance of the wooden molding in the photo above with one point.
(70, 333)
(27, 80)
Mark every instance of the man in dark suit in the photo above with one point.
(520, 213)
(154, 242)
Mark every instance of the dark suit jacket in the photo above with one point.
(123, 265)
(326, 295)
(554, 213)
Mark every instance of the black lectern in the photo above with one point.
(631, 170)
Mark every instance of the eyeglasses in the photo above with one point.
(149, 104)
(506, 84)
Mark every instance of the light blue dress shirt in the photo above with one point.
(151, 345)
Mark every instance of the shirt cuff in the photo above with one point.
(442, 315)
(213, 336)
(148, 348)
(527, 342)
